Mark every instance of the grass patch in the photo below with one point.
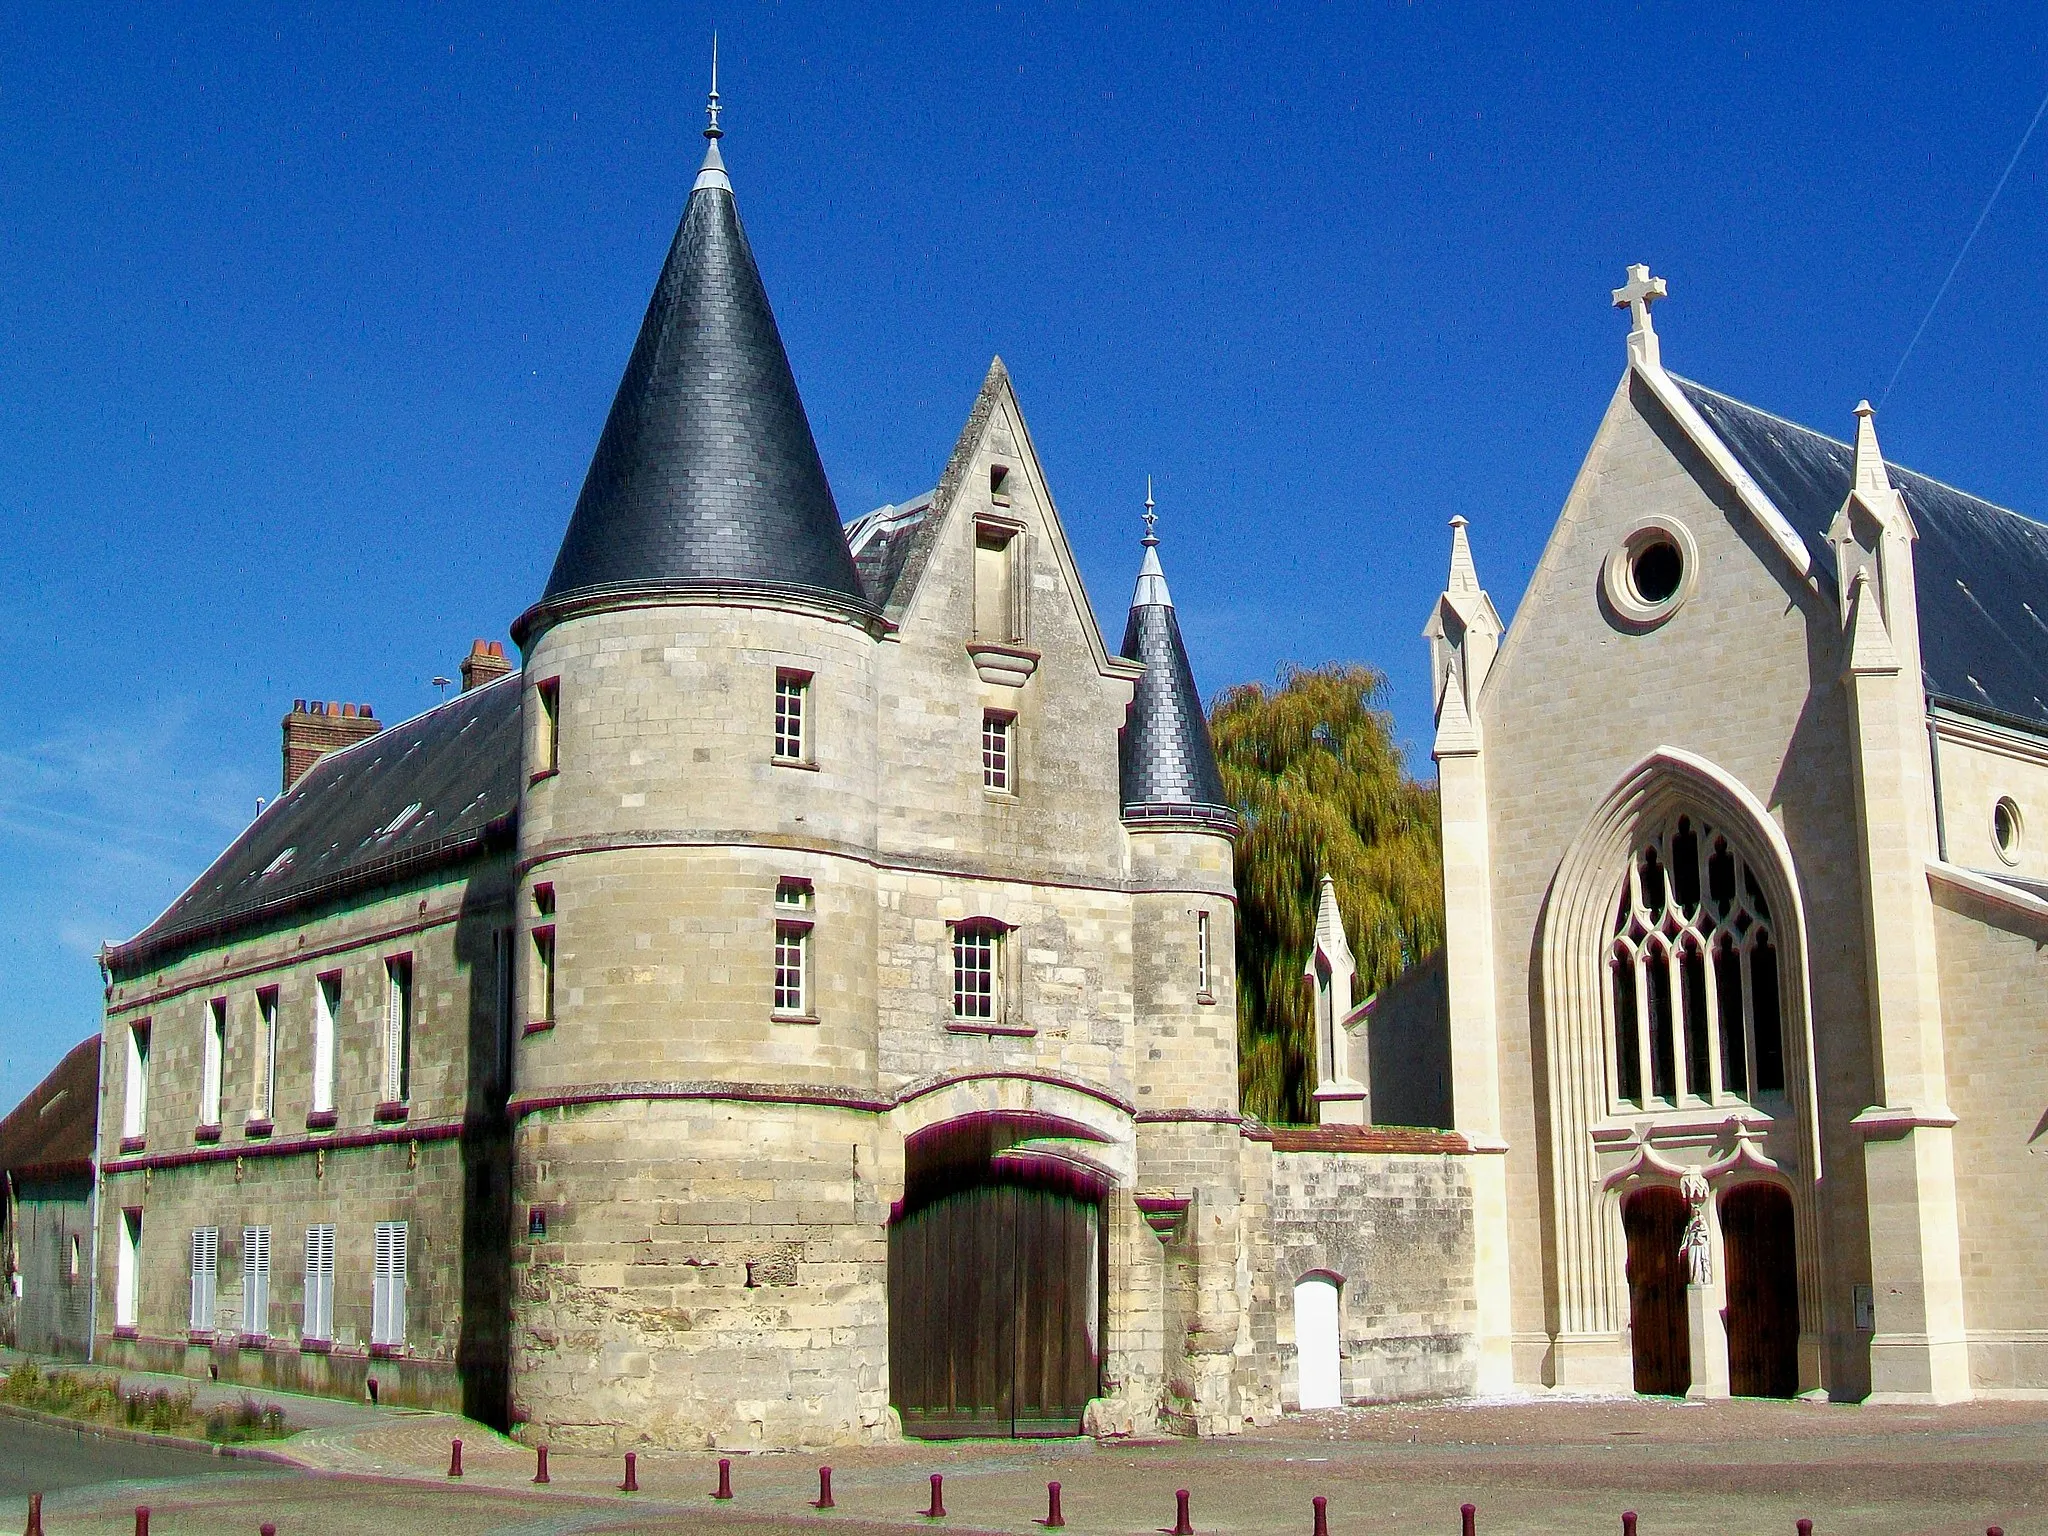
(96, 1399)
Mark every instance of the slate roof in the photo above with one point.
(1981, 571)
(1167, 763)
(706, 471)
(881, 542)
(437, 788)
(51, 1131)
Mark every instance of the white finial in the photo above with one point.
(1151, 517)
(1636, 296)
(712, 173)
(712, 108)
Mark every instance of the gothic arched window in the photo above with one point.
(1693, 975)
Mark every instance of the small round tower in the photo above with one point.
(1182, 835)
(698, 1258)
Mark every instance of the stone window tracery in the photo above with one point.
(1693, 977)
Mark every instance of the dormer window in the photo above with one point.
(998, 606)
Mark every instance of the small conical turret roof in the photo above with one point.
(1167, 762)
(706, 473)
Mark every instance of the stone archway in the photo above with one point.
(1653, 1219)
(1759, 1240)
(996, 1280)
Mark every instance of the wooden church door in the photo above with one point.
(1763, 1291)
(993, 1303)
(1654, 1221)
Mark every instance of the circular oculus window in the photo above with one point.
(2007, 829)
(1650, 573)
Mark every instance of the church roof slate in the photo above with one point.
(435, 789)
(1165, 758)
(1981, 570)
(706, 472)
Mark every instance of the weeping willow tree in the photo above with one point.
(1312, 769)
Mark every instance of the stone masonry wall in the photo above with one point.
(1396, 1231)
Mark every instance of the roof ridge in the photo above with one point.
(1850, 448)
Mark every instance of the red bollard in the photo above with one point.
(1468, 1515)
(142, 1520)
(35, 1516)
(1994, 1530)
(824, 1499)
(1182, 1526)
(1805, 1527)
(1628, 1522)
(938, 1509)
(1322, 1515)
(540, 1474)
(632, 1482)
(1054, 1520)
(455, 1459)
(266, 1529)
(724, 1479)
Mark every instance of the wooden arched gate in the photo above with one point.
(995, 1284)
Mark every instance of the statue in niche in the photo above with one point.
(1696, 1245)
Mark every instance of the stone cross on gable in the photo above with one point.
(1636, 296)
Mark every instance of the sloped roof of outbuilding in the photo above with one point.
(51, 1131)
(1981, 570)
(437, 788)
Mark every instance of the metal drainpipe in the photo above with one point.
(92, 1294)
(1934, 762)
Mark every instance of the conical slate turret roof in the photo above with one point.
(706, 473)
(1168, 765)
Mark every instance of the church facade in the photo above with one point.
(1744, 882)
(795, 1005)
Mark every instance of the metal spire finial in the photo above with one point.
(1151, 538)
(711, 108)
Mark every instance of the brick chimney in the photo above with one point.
(312, 730)
(485, 663)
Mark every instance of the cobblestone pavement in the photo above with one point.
(1531, 1466)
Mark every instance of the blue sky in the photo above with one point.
(311, 316)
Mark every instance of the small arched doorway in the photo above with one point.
(995, 1281)
(1318, 1372)
(1757, 1236)
(1654, 1220)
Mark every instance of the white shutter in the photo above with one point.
(387, 1319)
(398, 1005)
(205, 1273)
(256, 1281)
(319, 1319)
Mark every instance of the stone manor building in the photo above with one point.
(794, 1006)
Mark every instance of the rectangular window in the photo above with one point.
(266, 1061)
(547, 744)
(1202, 987)
(997, 730)
(398, 1028)
(544, 975)
(793, 948)
(975, 954)
(319, 1320)
(256, 1282)
(128, 1270)
(326, 1019)
(205, 1276)
(792, 701)
(387, 1295)
(213, 1054)
(135, 1092)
